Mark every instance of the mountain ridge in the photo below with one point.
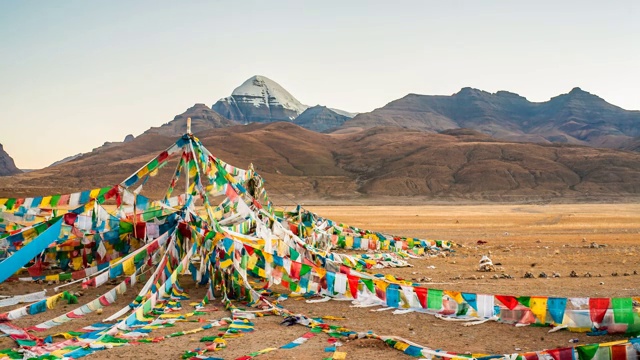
(376, 163)
(577, 117)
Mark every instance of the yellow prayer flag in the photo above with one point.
(339, 355)
(455, 295)
(348, 242)
(142, 172)
(538, 306)
(382, 285)
(76, 263)
(225, 264)
(46, 201)
(52, 300)
(128, 267)
(253, 260)
(94, 193)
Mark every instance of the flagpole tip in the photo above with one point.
(189, 125)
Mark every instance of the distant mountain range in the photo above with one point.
(574, 118)
(472, 144)
(577, 117)
(379, 163)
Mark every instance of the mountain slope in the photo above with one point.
(7, 165)
(320, 118)
(202, 119)
(575, 118)
(381, 163)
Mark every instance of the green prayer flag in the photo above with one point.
(9, 203)
(125, 227)
(304, 269)
(54, 200)
(587, 352)
(524, 300)
(434, 299)
(622, 310)
(369, 284)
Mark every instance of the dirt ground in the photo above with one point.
(535, 238)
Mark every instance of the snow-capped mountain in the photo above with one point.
(260, 99)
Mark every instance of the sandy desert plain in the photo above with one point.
(535, 238)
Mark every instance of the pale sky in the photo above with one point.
(74, 74)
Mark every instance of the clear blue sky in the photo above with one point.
(74, 74)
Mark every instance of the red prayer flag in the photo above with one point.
(295, 270)
(509, 301)
(35, 269)
(619, 352)
(422, 295)
(353, 285)
(231, 193)
(70, 218)
(598, 308)
(345, 270)
(561, 353)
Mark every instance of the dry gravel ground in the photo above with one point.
(535, 238)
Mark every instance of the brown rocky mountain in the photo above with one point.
(379, 164)
(574, 118)
(320, 118)
(7, 165)
(202, 119)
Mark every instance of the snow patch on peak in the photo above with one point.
(261, 90)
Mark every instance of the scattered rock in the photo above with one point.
(542, 275)
(529, 275)
(587, 274)
(573, 274)
(615, 273)
(626, 274)
(556, 275)
(485, 264)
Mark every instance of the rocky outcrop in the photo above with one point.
(7, 165)
(320, 119)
